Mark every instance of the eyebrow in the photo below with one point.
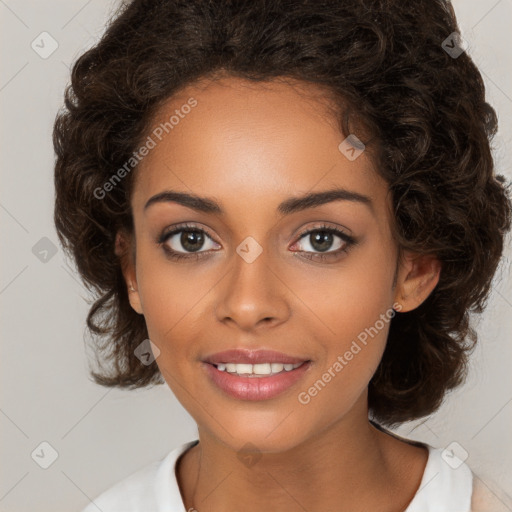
(287, 207)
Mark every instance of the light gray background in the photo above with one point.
(103, 435)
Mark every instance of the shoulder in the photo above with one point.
(489, 497)
(446, 485)
(450, 485)
(153, 487)
(132, 494)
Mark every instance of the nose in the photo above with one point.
(252, 294)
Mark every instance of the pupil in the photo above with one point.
(322, 240)
(189, 238)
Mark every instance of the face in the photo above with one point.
(305, 279)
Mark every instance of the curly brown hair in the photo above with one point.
(385, 64)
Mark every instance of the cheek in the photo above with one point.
(173, 298)
(349, 314)
(345, 300)
(168, 289)
(351, 354)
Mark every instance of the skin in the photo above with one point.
(250, 146)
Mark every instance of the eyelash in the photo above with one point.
(176, 256)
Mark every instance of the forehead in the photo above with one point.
(245, 139)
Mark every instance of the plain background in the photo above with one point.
(101, 435)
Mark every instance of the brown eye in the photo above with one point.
(324, 242)
(184, 241)
(191, 240)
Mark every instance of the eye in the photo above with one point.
(185, 241)
(328, 241)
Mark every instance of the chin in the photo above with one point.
(260, 436)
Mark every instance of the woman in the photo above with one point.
(287, 210)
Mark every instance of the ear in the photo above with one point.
(417, 276)
(125, 250)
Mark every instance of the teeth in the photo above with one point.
(256, 369)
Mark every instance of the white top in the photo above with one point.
(154, 488)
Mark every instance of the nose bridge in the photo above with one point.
(252, 292)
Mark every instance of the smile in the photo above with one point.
(256, 370)
(261, 381)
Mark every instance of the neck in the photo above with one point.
(351, 466)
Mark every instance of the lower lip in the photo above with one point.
(255, 388)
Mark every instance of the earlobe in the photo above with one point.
(124, 252)
(135, 302)
(134, 299)
(418, 276)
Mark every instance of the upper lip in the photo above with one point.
(241, 356)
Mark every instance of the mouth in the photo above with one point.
(254, 357)
(260, 381)
(259, 370)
